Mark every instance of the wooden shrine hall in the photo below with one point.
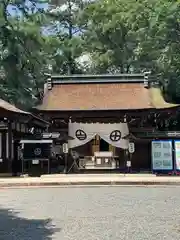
(15, 124)
(104, 113)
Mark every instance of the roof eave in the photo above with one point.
(92, 110)
(109, 110)
(40, 120)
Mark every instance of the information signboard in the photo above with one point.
(177, 154)
(162, 155)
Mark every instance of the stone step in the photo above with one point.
(98, 167)
(89, 164)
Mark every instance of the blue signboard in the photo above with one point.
(162, 158)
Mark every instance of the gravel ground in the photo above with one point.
(92, 213)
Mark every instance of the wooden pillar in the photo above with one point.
(1, 158)
(112, 149)
(9, 146)
(4, 165)
(0, 146)
(95, 144)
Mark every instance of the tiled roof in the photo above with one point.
(158, 100)
(96, 96)
(9, 107)
(101, 92)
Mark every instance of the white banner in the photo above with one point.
(111, 133)
(162, 155)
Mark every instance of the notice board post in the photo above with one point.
(162, 156)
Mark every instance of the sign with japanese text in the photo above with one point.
(162, 155)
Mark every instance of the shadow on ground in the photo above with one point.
(14, 227)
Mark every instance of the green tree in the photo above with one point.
(109, 36)
(118, 36)
(133, 36)
(157, 24)
(65, 27)
(32, 41)
(23, 59)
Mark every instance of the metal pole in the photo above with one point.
(48, 166)
(130, 168)
(22, 166)
(65, 166)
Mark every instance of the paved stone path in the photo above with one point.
(90, 213)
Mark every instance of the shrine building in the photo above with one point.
(15, 124)
(103, 114)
